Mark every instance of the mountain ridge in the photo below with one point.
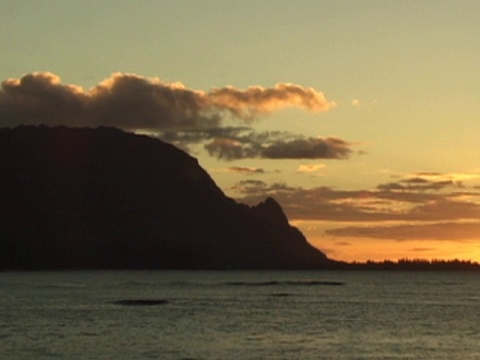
(104, 198)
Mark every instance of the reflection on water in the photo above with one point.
(239, 315)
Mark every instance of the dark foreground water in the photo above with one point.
(239, 315)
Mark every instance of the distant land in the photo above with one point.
(106, 199)
(411, 265)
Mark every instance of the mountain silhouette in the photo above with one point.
(104, 198)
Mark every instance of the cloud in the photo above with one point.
(124, 100)
(457, 178)
(230, 149)
(435, 231)
(426, 212)
(310, 168)
(432, 181)
(40, 98)
(417, 183)
(277, 145)
(414, 204)
(254, 187)
(195, 136)
(130, 101)
(241, 170)
(355, 102)
(256, 99)
(423, 249)
(172, 112)
(308, 148)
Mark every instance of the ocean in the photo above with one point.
(239, 315)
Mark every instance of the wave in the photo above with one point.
(57, 286)
(287, 283)
(140, 302)
(281, 294)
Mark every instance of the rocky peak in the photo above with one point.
(271, 212)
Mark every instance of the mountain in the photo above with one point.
(103, 198)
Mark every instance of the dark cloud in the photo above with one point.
(308, 148)
(130, 101)
(133, 102)
(196, 136)
(250, 187)
(423, 209)
(445, 209)
(457, 179)
(230, 149)
(187, 137)
(253, 183)
(172, 112)
(422, 249)
(324, 203)
(276, 145)
(124, 100)
(418, 183)
(40, 98)
(435, 231)
(410, 214)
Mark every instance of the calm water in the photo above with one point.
(240, 315)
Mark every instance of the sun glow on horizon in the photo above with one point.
(361, 249)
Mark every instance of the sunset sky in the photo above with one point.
(361, 118)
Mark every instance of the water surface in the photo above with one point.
(239, 315)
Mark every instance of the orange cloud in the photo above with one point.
(241, 170)
(256, 99)
(310, 168)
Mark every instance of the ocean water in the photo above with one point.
(239, 315)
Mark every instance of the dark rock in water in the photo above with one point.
(103, 198)
(332, 283)
(281, 294)
(283, 283)
(140, 302)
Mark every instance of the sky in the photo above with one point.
(361, 118)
